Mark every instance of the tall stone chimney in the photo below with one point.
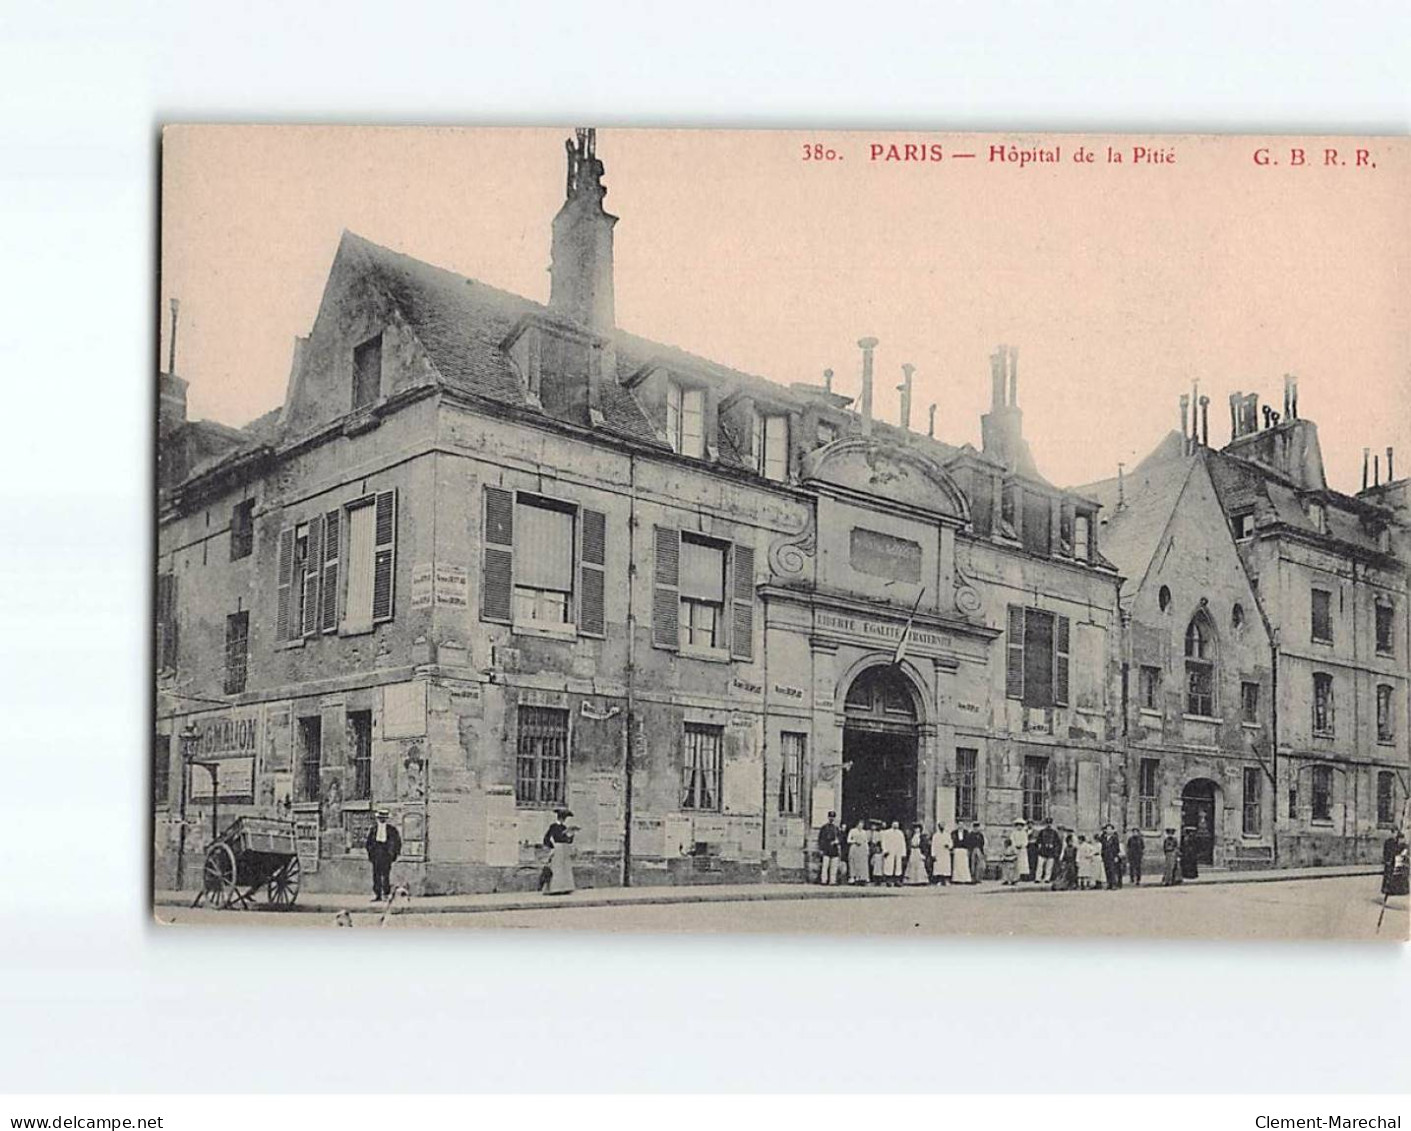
(581, 268)
(1002, 428)
(905, 390)
(867, 345)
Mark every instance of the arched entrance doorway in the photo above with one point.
(879, 748)
(1198, 813)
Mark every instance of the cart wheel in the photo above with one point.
(219, 876)
(283, 887)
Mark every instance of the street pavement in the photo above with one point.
(1287, 906)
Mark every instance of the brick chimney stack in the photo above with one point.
(581, 287)
(905, 389)
(1002, 428)
(867, 345)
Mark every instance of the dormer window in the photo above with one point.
(685, 419)
(1243, 526)
(1082, 537)
(771, 446)
(1319, 517)
(367, 373)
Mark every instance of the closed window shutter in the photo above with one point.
(384, 555)
(742, 626)
(1060, 662)
(166, 621)
(497, 577)
(313, 567)
(332, 551)
(1014, 668)
(283, 630)
(592, 563)
(666, 599)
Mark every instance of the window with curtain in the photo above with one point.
(701, 767)
(1253, 801)
(791, 748)
(1322, 793)
(543, 568)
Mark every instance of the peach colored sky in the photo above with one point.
(1119, 284)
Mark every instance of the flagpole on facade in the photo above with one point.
(900, 653)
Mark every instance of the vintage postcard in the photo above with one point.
(764, 531)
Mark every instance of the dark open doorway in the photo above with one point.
(1198, 813)
(879, 749)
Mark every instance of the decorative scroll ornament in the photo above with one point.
(967, 598)
(789, 555)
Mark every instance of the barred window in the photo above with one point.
(1386, 798)
(1253, 801)
(360, 755)
(966, 764)
(1149, 794)
(541, 767)
(1322, 793)
(1036, 793)
(791, 746)
(161, 769)
(237, 651)
(306, 782)
(701, 767)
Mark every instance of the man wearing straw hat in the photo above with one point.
(384, 845)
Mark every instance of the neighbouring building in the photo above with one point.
(492, 557)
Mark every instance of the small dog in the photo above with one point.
(399, 893)
(343, 919)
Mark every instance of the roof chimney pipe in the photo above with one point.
(867, 345)
(1235, 399)
(905, 390)
(997, 379)
(1376, 471)
(1121, 486)
(827, 380)
(1013, 376)
(931, 422)
(1390, 474)
(1366, 466)
(171, 342)
(1205, 422)
(1185, 428)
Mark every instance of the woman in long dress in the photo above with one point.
(1087, 863)
(1170, 847)
(960, 857)
(857, 854)
(1065, 873)
(940, 856)
(915, 875)
(559, 838)
(1190, 868)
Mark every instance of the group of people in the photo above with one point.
(881, 853)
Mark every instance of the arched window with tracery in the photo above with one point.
(1200, 666)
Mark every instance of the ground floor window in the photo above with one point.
(306, 782)
(1322, 793)
(966, 761)
(360, 755)
(1036, 792)
(541, 762)
(1386, 798)
(1253, 801)
(791, 747)
(161, 769)
(701, 766)
(1148, 794)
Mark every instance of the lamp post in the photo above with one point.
(187, 737)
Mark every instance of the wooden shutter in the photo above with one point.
(1014, 654)
(166, 621)
(666, 578)
(1060, 661)
(384, 555)
(592, 563)
(313, 567)
(497, 576)
(742, 625)
(332, 551)
(283, 630)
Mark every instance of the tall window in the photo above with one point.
(1322, 616)
(541, 764)
(791, 748)
(161, 769)
(166, 622)
(685, 419)
(702, 584)
(1037, 657)
(1249, 702)
(1385, 645)
(1386, 798)
(1293, 801)
(360, 755)
(319, 563)
(543, 573)
(1386, 721)
(966, 763)
(1036, 793)
(1150, 688)
(1322, 703)
(1253, 801)
(1200, 667)
(772, 446)
(1322, 793)
(1037, 530)
(237, 651)
(1149, 793)
(701, 767)
(1082, 537)
(306, 782)
(242, 529)
(367, 372)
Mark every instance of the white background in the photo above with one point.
(93, 998)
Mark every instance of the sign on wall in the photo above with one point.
(404, 710)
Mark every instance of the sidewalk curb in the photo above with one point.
(656, 897)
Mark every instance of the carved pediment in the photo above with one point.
(891, 472)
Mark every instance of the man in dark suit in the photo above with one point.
(1050, 846)
(1136, 849)
(1112, 857)
(384, 845)
(830, 848)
